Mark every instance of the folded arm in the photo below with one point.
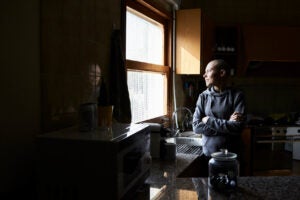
(211, 125)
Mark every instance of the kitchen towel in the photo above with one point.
(119, 94)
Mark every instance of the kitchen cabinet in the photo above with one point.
(271, 43)
(269, 155)
(78, 165)
(245, 162)
(226, 39)
(199, 39)
(194, 41)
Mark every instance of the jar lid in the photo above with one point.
(224, 155)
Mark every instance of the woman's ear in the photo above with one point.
(222, 72)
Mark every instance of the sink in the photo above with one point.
(191, 141)
(190, 145)
(186, 145)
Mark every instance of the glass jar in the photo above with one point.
(223, 171)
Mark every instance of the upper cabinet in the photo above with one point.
(226, 38)
(272, 43)
(248, 49)
(273, 48)
(192, 51)
(199, 40)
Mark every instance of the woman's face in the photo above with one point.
(211, 75)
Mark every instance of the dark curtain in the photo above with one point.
(119, 94)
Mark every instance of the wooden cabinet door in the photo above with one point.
(188, 41)
(272, 43)
(194, 41)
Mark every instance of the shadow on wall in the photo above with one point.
(188, 88)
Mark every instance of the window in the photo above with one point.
(147, 73)
(144, 38)
(146, 94)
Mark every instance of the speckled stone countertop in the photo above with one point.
(262, 188)
(165, 184)
(163, 180)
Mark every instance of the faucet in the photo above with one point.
(185, 120)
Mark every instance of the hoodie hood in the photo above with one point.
(211, 91)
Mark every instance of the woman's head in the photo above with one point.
(216, 73)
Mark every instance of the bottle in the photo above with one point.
(102, 98)
(105, 110)
(88, 117)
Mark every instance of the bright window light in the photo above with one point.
(146, 95)
(144, 38)
(145, 44)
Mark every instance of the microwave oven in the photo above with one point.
(90, 165)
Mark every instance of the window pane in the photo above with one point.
(146, 95)
(144, 38)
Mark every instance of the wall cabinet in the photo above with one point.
(199, 40)
(226, 38)
(192, 51)
(272, 44)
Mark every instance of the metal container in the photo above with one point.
(88, 117)
(223, 171)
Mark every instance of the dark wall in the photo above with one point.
(20, 95)
(74, 35)
(24, 71)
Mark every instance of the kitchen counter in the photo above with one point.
(263, 187)
(163, 180)
(165, 184)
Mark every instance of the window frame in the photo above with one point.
(164, 17)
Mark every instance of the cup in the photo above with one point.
(105, 114)
(87, 117)
(170, 151)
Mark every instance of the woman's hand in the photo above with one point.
(204, 119)
(236, 117)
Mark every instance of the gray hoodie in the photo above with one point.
(219, 132)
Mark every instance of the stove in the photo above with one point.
(279, 134)
(271, 150)
(294, 145)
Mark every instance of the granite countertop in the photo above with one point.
(260, 188)
(165, 184)
(163, 180)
